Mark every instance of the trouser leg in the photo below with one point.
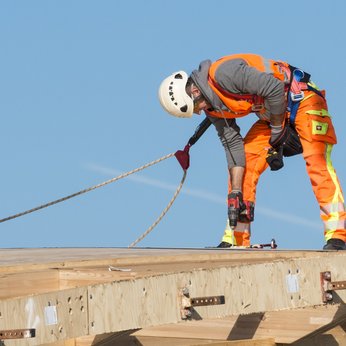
(327, 190)
(317, 135)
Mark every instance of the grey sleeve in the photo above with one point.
(237, 77)
(231, 139)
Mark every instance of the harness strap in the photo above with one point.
(293, 106)
(316, 91)
(299, 81)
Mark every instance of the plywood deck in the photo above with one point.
(12, 260)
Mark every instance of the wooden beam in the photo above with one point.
(284, 326)
(129, 340)
(55, 316)
(28, 282)
(259, 342)
(336, 330)
(91, 300)
(14, 260)
(247, 289)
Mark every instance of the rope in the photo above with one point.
(90, 189)
(163, 212)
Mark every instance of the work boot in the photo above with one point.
(334, 244)
(224, 244)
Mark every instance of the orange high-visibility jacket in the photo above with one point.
(240, 104)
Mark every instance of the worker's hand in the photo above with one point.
(278, 136)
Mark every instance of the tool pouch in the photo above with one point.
(292, 145)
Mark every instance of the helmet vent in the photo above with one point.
(184, 108)
(178, 76)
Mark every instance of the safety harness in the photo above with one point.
(299, 81)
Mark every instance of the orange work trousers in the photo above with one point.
(317, 135)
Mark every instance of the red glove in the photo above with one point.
(183, 157)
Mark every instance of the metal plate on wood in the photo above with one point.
(205, 301)
(187, 303)
(328, 286)
(337, 285)
(17, 333)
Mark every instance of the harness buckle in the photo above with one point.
(297, 97)
(298, 74)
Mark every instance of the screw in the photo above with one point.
(329, 296)
(327, 275)
(185, 291)
(187, 313)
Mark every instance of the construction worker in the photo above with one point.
(293, 119)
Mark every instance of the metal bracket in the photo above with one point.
(17, 333)
(187, 303)
(328, 286)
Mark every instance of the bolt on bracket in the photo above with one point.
(328, 286)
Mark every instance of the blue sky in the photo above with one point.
(79, 106)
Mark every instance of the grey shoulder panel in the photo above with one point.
(237, 77)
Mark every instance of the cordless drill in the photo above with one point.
(235, 200)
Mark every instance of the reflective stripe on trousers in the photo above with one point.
(333, 214)
(238, 237)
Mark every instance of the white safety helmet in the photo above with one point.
(173, 96)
